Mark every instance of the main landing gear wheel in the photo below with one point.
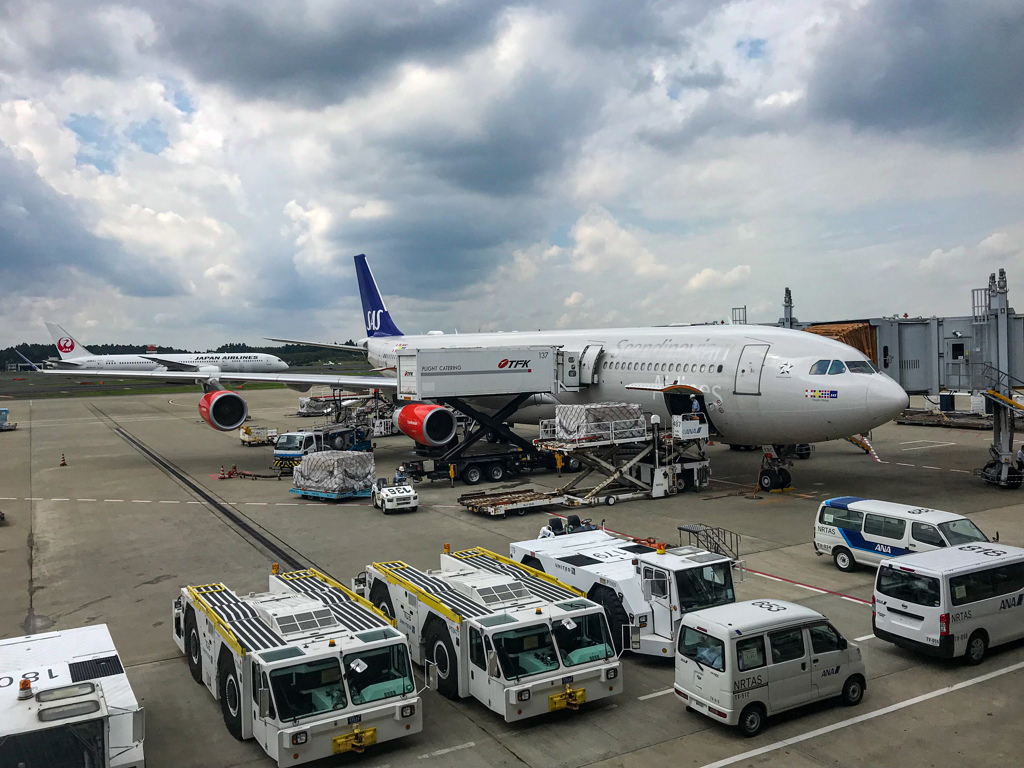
(785, 479)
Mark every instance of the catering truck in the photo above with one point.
(644, 587)
(65, 702)
(516, 639)
(307, 669)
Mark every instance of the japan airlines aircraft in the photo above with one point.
(76, 357)
(757, 385)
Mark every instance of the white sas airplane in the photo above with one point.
(757, 385)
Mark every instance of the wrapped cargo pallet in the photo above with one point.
(599, 422)
(335, 471)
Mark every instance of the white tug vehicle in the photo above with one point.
(518, 640)
(308, 669)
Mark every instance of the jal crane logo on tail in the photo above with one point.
(66, 344)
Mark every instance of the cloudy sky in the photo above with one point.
(194, 172)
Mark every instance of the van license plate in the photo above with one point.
(567, 680)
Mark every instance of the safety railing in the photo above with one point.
(625, 430)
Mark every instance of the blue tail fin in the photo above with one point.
(376, 317)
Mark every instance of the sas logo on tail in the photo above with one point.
(1011, 602)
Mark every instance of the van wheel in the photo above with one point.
(977, 647)
(752, 720)
(496, 472)
(472, 475)
(193, 645)
(844, 560)
(853, 691)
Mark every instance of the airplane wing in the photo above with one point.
(171, 365)
(324, 344)
(653, 387)
(300, 379)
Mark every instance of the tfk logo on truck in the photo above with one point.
(510, 364)
(828, 672)
(1011, 602)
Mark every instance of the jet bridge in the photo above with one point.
(981, 354)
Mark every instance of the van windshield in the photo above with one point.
(701, 647)
(705, 587)
(909, 587)
(961, 532)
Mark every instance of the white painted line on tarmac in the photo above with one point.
(286, 504)
(255, 503)
(142, 501)
(766, 576)
(862, 639)
(813, 589)
(862, 718)
(961, 471)
(8, 498)
(113, 499)
(60, 499)
(934, 444)
(170, 502)
(33, 498)
(900, 464)
(438, 753)
(85, 499)
(851, 600)
(655, 695)
(926, 467)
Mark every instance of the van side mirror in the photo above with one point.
(843, 644)
(492, 664)
(139, 725)
(264, 702)
(996, 539)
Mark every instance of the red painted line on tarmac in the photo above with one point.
(809, 586)
(759, 573)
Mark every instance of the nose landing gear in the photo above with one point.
(774, 474)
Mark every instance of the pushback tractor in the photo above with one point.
(65, 702)
(644, 587)
(514, 638)
(308, 669)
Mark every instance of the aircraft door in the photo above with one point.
(748, 369)
(588, 364)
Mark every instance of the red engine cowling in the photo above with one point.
(223, 410)
(432, 425)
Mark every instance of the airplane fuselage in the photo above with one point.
(757, 381)
(214, 361)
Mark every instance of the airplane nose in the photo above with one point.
(885, 399)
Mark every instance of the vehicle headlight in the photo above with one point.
(408, 710)
(612, 674)
(523, 695)
(299, 738)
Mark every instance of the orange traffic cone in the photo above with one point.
(222, 475)
(63, 462)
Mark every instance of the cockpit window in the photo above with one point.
(859, 366)
(836, 367)
(820, 368)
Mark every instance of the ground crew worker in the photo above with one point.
(694, 404)
(451, 473)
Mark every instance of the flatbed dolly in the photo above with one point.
(329, 496)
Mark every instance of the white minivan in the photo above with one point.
(959, 601)
(739, 663)
(858, 531)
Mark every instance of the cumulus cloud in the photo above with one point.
(601, 243)
(573, 299)
(713, 278)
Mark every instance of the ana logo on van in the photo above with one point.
(828, 672)
(1011, 602)
(883, 548)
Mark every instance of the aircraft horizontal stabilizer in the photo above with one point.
(323, 344)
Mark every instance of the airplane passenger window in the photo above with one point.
(678, 368)
(702, 369)
(820, 368)
(859, 366)
(686, 368)
(836, 367)
(719, 369)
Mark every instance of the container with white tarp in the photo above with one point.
(599, 422)
(335, 471)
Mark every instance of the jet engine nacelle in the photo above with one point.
(432, 425)
(223, 410)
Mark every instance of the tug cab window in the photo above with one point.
(820, 368)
